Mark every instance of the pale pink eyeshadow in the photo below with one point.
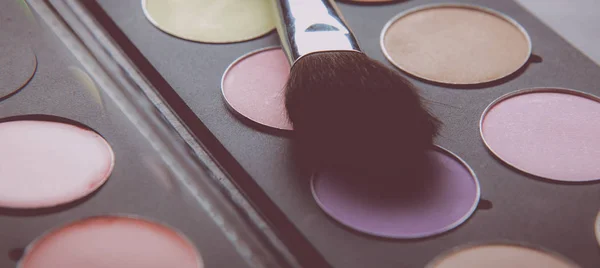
(554, 135)
(107, 242)
(44, 163)
(254, 87)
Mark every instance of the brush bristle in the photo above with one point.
(351, 112)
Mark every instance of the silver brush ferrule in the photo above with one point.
(309, 26)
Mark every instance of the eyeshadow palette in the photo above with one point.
(512, 174)
(516, 204)
(85, 179)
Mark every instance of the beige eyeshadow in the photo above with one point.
(500, 256)
(455, 44)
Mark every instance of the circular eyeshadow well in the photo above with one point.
(44, 163)
(547, 132)
(211, 21)
(253, 87)
(597, 228)
(112, 241)
(369, 1)
(442, 198)
(17, 66)
(455, 44)
(500, 256)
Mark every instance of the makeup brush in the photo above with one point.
(347, 110)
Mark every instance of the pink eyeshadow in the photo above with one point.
(550, 133)
(44, 164)
(103, 242)
(253, 86)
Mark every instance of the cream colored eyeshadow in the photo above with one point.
(455, 44)
(500, 256)
(211, 21)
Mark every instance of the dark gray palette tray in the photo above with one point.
(556, 216)
(138, 184)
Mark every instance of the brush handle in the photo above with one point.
(310, 26)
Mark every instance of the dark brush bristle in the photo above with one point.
(351, 112)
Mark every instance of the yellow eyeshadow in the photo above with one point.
(211, 21)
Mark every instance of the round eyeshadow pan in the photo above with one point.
(597, 228)
(368, 1)
(551, 133)
(500, 255)
(44, 164)
(17, 66)
(112, 241)
(253, 87)
(440, 200)
(455, 43)
(211, 21)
